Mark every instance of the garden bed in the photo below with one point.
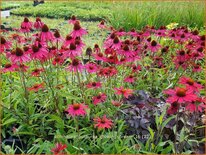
(72, 86)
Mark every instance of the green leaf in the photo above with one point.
(151, 132)
(167, 121)
(182, 135)
(9, 121)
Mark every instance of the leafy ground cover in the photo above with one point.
(13, 5)
(123, 14)
(72, 88)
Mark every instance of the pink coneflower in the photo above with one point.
(108, 71)
(173, 108)
(116, 43)
(123, 91)
(91, 67)
(37, 71)
(45, 34)
(4, 44)
(100, 98)
(18, 56)
(38, 24)
(192, 107)
(109, 41)
(126, 51)
(121, 32)
(75, 65)
(77, 109)
(26, 25)
(58, 60)
(58, 148)
(197, 55)
(79, 44)
(154, 46)
(112, 58)
(36, 87)
(135, 68)
(78, 31)
(190, 83)
(103, 123)
(180, 62)
(72, 20)
(72, 52)
(94, 85)
(38, 52)
(132, 32)
(9, 67)
(22, 67)
(57, 37)
(116, 103)
(68, 40)
(180, 95)
(99, 56)
(102, 25)
(197, 68)
(130, 79)
(96, 48)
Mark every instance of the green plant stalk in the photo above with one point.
(78, 133)
(50, 86)
(175, 144)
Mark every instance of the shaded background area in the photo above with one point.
(119, 14)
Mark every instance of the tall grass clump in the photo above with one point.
(138, 14)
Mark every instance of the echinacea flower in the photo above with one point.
(36, 87)
(123, 91)
(36, 72)
(38, 23)
(154, 46)
(116, 103)
(192, 107)
(94, 85)
(180, 95)
(72, 52)
(77, 109)
(100, 98)
(45, 34)
(91, 67)
(121, 32)
(58, 60)
(190, 83)
(68, 40)
(4, 44)
(132, 32)
(9, 67)
(116, 43)
(102, 25)
(72, 20)
(26, 25)
(79, 44)
(126, 51)
(18, 56)
(75, 66)
(197, 68)
(57, 37)
(22, 67)
(96, 48)
(99, 56)
(78, 31)
(38, 52)
(173, 108)
(103, 123)
(130, 79)
(58, 148)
